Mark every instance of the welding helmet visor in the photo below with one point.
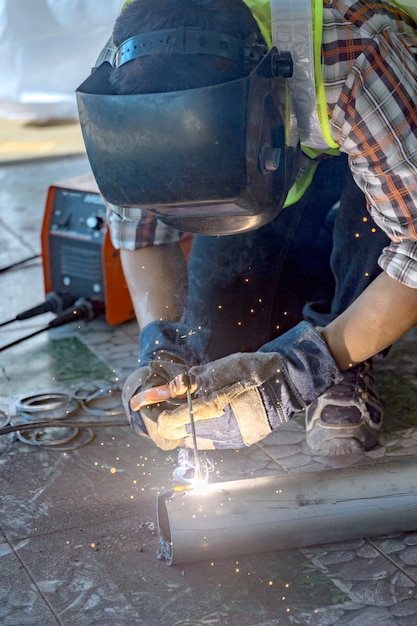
(214, 160)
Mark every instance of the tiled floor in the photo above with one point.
(79, 538)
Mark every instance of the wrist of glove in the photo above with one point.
(167, 349)
(243, 397)
(178, 340)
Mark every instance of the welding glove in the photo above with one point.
(241, 398)
(166, 350)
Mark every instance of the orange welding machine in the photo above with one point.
(78, 256)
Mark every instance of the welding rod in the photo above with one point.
(193, 433)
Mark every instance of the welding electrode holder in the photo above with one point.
(176, 389)
(184, 383)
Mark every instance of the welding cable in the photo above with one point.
(17, 263)
(82, 309)
(54, 303)
(12, 428)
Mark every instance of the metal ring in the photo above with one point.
(95, 403)
(53, 405)
(43, 402)
(82, 438)
(31, 436)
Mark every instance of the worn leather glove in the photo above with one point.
(176, 339)
(243, 397)
(166, 350)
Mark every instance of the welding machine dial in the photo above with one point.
(95, 222)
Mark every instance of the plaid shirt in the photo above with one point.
(369, 65)
(369, 53)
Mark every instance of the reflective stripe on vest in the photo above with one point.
(297, 26)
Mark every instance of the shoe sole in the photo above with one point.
(336, 441)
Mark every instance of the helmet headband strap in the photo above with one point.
(181, 41)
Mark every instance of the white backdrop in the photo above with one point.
(47, 48)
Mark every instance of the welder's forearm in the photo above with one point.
(381, 315)
(157, 281)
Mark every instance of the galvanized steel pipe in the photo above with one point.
(279, 512)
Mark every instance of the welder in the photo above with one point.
(283, 134)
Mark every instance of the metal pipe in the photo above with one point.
(279, 512)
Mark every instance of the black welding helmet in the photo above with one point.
(214, 160)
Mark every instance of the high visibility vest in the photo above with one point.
(408, 6)
(297, 26)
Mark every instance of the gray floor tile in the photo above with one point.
(79, 525)
(21, 602)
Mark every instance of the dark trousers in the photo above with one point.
(310, 263)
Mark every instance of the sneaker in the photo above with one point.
(347, 418)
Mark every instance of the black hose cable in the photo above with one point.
(12, 428)
(12, 265)
(54, 303)
(82, 309)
